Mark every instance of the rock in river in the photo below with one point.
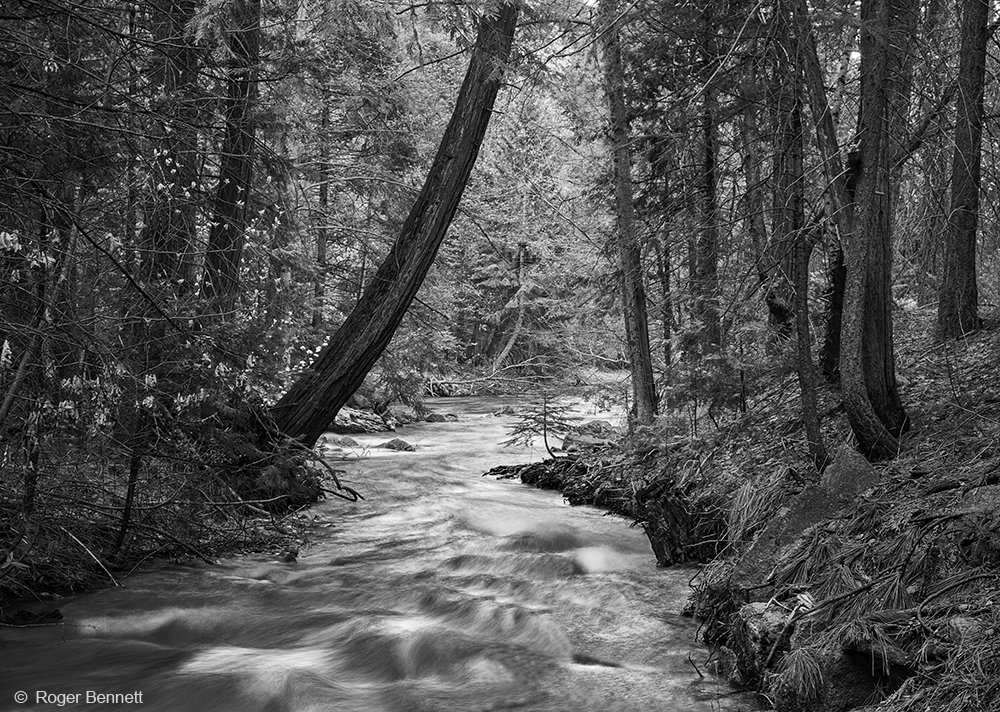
(398, 444)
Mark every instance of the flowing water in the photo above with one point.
(443, 591)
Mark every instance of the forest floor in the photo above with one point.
(871, 588)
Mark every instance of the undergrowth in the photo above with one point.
(907, 575)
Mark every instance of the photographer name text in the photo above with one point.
(88, 697)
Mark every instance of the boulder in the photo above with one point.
(398, 444)
(331, 440)
(351, 421)
(436, 418)
(847, 476)
(758, 628)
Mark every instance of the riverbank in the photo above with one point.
(442, 591)
(872, 587)
(215, 495)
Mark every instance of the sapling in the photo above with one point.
(542, 419)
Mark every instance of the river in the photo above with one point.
(442, 591)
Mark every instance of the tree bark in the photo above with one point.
(630, 262)
(663, 268)
(226, 237)
(314, 399)
(705, 280)
(867, 360)
(958, 300)
(791, 234)
(169, 229)
(752, 201)
(781, 261)
(805, 368)
(928, 240)
(519, 305)
(323, 169)
(839, 197)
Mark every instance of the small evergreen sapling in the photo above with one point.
(549, 417)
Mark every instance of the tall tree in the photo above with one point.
(958, 299)
(705, 261)
(629, 258)
(791, 235)
(313, 400)
(928, 241)
(839, 179)
(867, 360)
(323, 175)
(787, 210)
(232, 197)
(169, 229)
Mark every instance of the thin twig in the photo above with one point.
(92, 555)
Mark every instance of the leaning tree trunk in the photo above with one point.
(867, 361)
(630, 261)
(314, 399)
(958, 300)
(232, 199)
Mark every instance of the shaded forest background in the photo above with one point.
(194, 195)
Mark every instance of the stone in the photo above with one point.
(435, 418)
(331, 440)
(847, 476)
(758, 628)
(398, 444)
(353, 422)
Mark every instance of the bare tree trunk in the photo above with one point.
(169, 229)
(958, 302)
(804, 363)
(314, 399)
(791, 234)
(752, 201)
(839, 197)
(227, 234)
(705, 280)
(781, 261)
(666, 302)
(928, 241)
(633, 292)
(867, 361)
(518, 305)
(319, 289)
